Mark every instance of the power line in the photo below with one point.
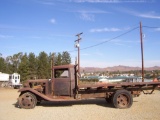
(137, 27)
(107, 40)
(150, 27)
(110, 39)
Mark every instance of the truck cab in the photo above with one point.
(60, 87)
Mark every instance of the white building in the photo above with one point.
(10, 80)
(14, 79)
(4, 77)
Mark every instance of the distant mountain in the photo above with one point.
(117, 68)
(122, 68)
(92, 69)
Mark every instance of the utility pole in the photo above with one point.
(52, 64)
(78, 46)
(141, 40)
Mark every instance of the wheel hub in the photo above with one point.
(122, 100)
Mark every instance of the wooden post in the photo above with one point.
(141, 40)
(78, 46)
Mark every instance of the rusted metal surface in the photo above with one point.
(63, 66)
(46, 97)
(27, 101)
(122, 84)
(43, 82)
(109, 89)
(91, 91)
(93, 95)
(122, 100)
(136, 93)
(63, 87)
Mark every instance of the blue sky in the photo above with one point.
(51, 26)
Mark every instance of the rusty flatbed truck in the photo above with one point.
(64, 86)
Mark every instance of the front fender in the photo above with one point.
(36, 93)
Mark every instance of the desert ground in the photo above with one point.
(145, 107)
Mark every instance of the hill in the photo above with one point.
(117, 68)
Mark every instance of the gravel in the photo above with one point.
(145, 107)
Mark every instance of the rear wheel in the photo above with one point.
(122, 99)
(27, 100)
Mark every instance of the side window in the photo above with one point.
(61, 73)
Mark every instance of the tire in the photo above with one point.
(27, 100)
(122, 99)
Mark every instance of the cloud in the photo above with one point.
(92, 54)
(157, 29)
(93, 11)
(52, 2)
(87, 17)
(150, 14)
(105, 30)
(85, 54)
(53, 21)
(110, 1)
(5, 36)
(46, 2)
(36, 37)
(99, 54)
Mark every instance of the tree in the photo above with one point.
(52, 59)
(43, 66)
(15, 61)
(32, 66)
(23, 69)
(58, 59)
(2, 64)
(66, 59)
(9, 66)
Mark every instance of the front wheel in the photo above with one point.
(27, 100)
(122, 99)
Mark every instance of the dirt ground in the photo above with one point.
(145, 107)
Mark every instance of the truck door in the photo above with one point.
(63, 82)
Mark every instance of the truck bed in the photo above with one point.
(119, 85)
